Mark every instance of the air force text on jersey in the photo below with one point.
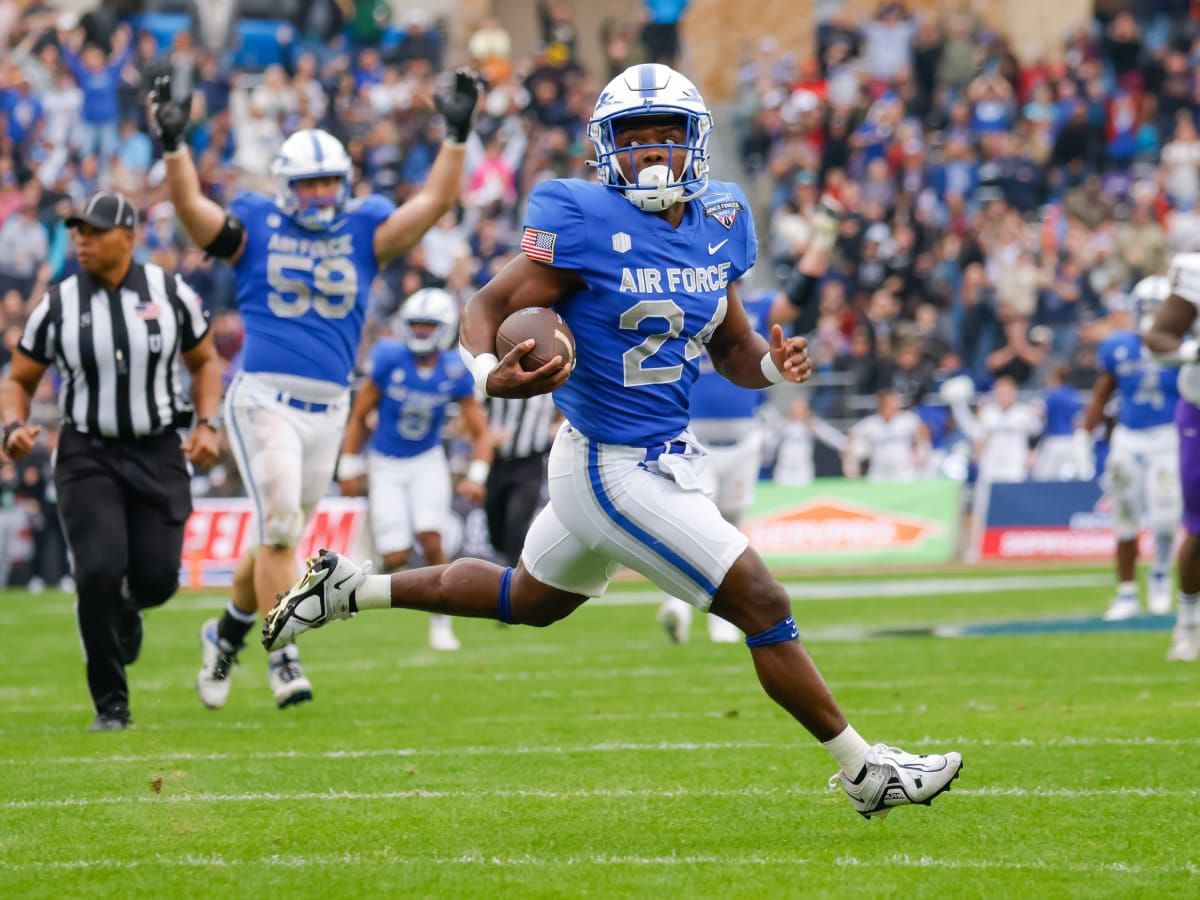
(696, 280)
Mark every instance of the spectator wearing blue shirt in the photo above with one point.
(660, 34)
(23, 110)
(99, 78)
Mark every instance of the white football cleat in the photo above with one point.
(1185, 644)
(441, 634)
(288, 684)
(675, 616)
(212, 682)
(1159, 594)
(895, 778)
(324, 593)
(1122, 608)
(722, 631)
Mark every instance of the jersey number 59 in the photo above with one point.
(300, 283)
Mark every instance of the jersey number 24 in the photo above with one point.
(635, 358)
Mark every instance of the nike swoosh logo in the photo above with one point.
(338, 226)
(713, 248)
(338, 584)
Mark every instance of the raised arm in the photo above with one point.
(204, 220)
(405, 227)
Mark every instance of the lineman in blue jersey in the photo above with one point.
(642, 267)
(1141, 474)
(303, 261)
(725, 420)
(411, 382)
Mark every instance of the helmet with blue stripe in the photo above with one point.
(652, 91)
(311, 153)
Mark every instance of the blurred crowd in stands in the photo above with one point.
(992, 208)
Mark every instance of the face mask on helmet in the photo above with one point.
(652, 94)
(306, 155)
(429, 321)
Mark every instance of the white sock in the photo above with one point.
(850, 751)
(1189, 612)
(1163, 542)
(1127, 590)
(375, 593)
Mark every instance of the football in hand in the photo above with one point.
(551, 334)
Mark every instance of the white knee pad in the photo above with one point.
(1123, 483)
(283, 529)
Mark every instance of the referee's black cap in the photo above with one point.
(106, 210)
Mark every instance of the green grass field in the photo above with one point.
(594, 759)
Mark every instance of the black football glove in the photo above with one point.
(457, 104)
(169, 118)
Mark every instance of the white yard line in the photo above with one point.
(604, 747)
(578, 794)
(833, 589)
(386, 859)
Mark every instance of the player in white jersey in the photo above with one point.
(303, 262)
(623, 478)
(893, 441)
(1173, 337)
(1001, 432)
(1141, 475)
(410, 385)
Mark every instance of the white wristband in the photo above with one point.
(480, 366)
(478, 470)
(1189, 350)
(351, 465)
(770, 370)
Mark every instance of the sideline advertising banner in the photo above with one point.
(220, 530)
(836, 520)
(1054, 520)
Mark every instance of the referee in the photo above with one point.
(116, 333)
(521, 430)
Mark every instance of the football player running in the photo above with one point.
(642, 267)
(1141, 474)
(411, 382)
(303, 262)
(1174, 339)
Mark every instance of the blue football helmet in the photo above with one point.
(311, 153)
(652, 90)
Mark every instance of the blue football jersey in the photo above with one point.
(1062, 408)
(302, 294)
(654, 295)
(716, 397)
(1147, 391)
(412, 408)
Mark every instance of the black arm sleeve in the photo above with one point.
(228, 239)
(801, 291)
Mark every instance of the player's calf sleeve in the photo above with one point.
(782, 631)
(504, 599)
(1164, 541)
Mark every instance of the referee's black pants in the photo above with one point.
(514, 493)
(123, 505)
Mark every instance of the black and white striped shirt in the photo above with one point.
(118, 352)
(524, 423)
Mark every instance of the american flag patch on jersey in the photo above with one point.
(538, 245)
